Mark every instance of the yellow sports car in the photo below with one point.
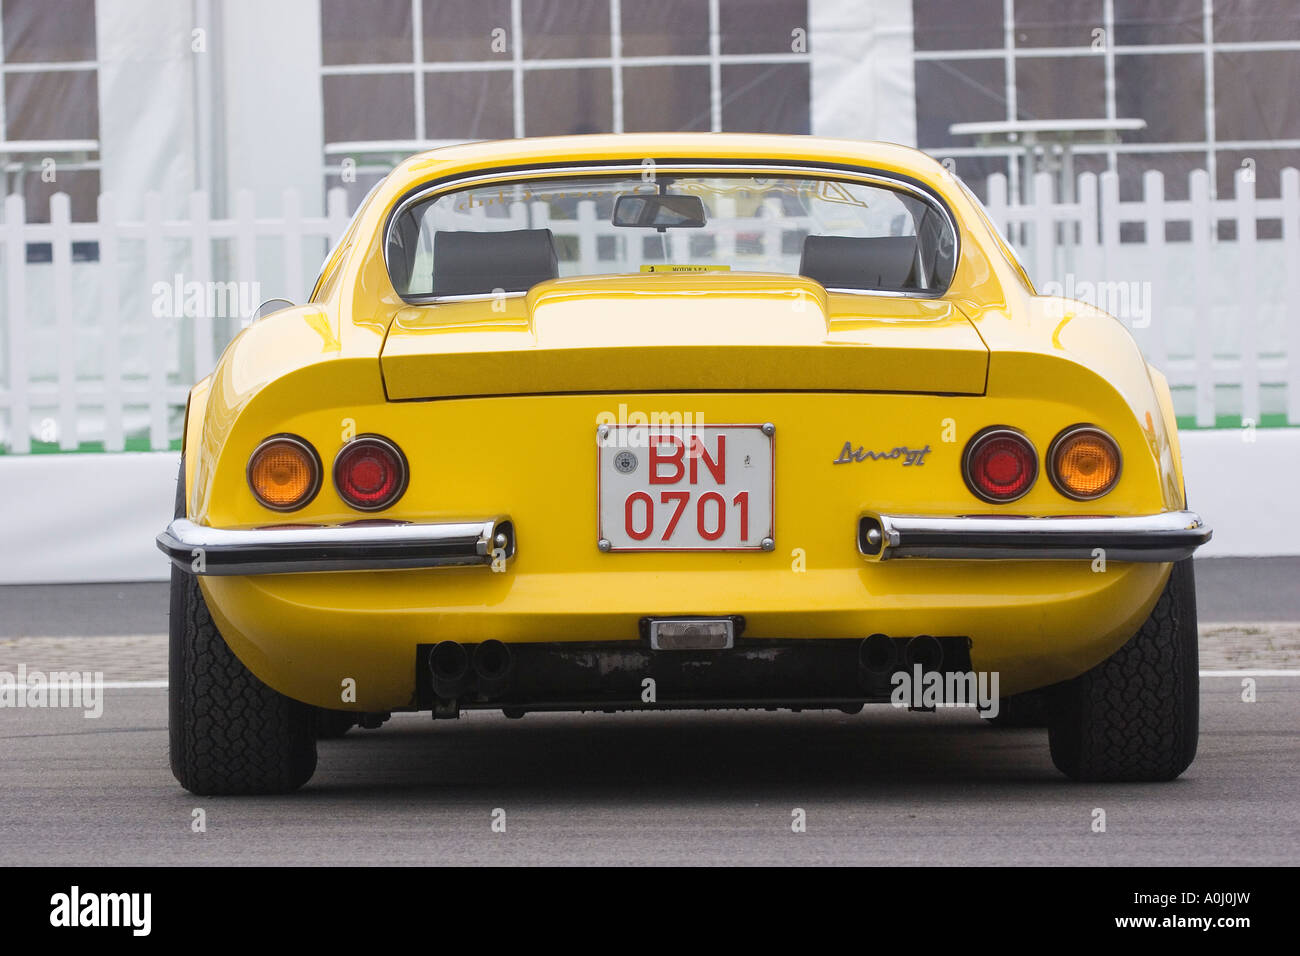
(678, 421)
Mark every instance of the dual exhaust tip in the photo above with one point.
(455, 669)
(879, 655)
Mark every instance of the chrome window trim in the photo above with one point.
(840, 173)
(492, 296)
(464, 297)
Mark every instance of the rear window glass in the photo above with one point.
(508, 236)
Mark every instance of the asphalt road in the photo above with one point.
(881, 787)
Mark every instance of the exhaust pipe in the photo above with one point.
(925, 651)
(877, 655)
(492, 664)
(449, 664)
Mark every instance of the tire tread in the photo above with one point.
(229, 733)
(1134, 717)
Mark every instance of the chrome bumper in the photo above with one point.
(1170, 536)
(350, 547)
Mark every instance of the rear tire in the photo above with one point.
(1134, 717)
(228, 732)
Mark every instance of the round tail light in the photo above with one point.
(1000, 464)
(370, 473)
(284, 473)
(1085, 462)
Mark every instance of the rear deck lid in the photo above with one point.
(715, 332)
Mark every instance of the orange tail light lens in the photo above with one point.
(1085, 463)
(284, 473)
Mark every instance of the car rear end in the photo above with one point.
(684, 485)
(569, 531)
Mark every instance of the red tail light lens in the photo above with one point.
(370, 473)
(1000, 464)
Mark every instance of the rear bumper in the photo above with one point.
(301, 633)
(1170, 536)
(351, 547)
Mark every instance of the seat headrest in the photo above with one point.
(848, 262)
(475, 263)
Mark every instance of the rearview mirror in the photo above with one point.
(663, 211)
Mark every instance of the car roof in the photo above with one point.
(638, 147)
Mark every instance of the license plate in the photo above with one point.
(685, 487)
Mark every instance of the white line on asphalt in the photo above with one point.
(1251, 673)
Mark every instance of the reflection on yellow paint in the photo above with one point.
(1153, 438)
(320, 324)
(1056, 332)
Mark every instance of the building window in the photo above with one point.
(1212, 79)
(399, 76)
(49, 111)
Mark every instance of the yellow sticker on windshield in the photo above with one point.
(667, 267)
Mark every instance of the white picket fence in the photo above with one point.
(87, 359)
(1219, 314)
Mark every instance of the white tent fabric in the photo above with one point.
(862, 82)
(146, 102)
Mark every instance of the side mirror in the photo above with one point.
(268, 307)
(663, 211)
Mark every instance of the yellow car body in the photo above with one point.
(495, 403)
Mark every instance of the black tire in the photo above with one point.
(1134, 717)
(1020, 711)
(228, 732)
(332, 724)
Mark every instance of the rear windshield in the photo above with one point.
(508, 236)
